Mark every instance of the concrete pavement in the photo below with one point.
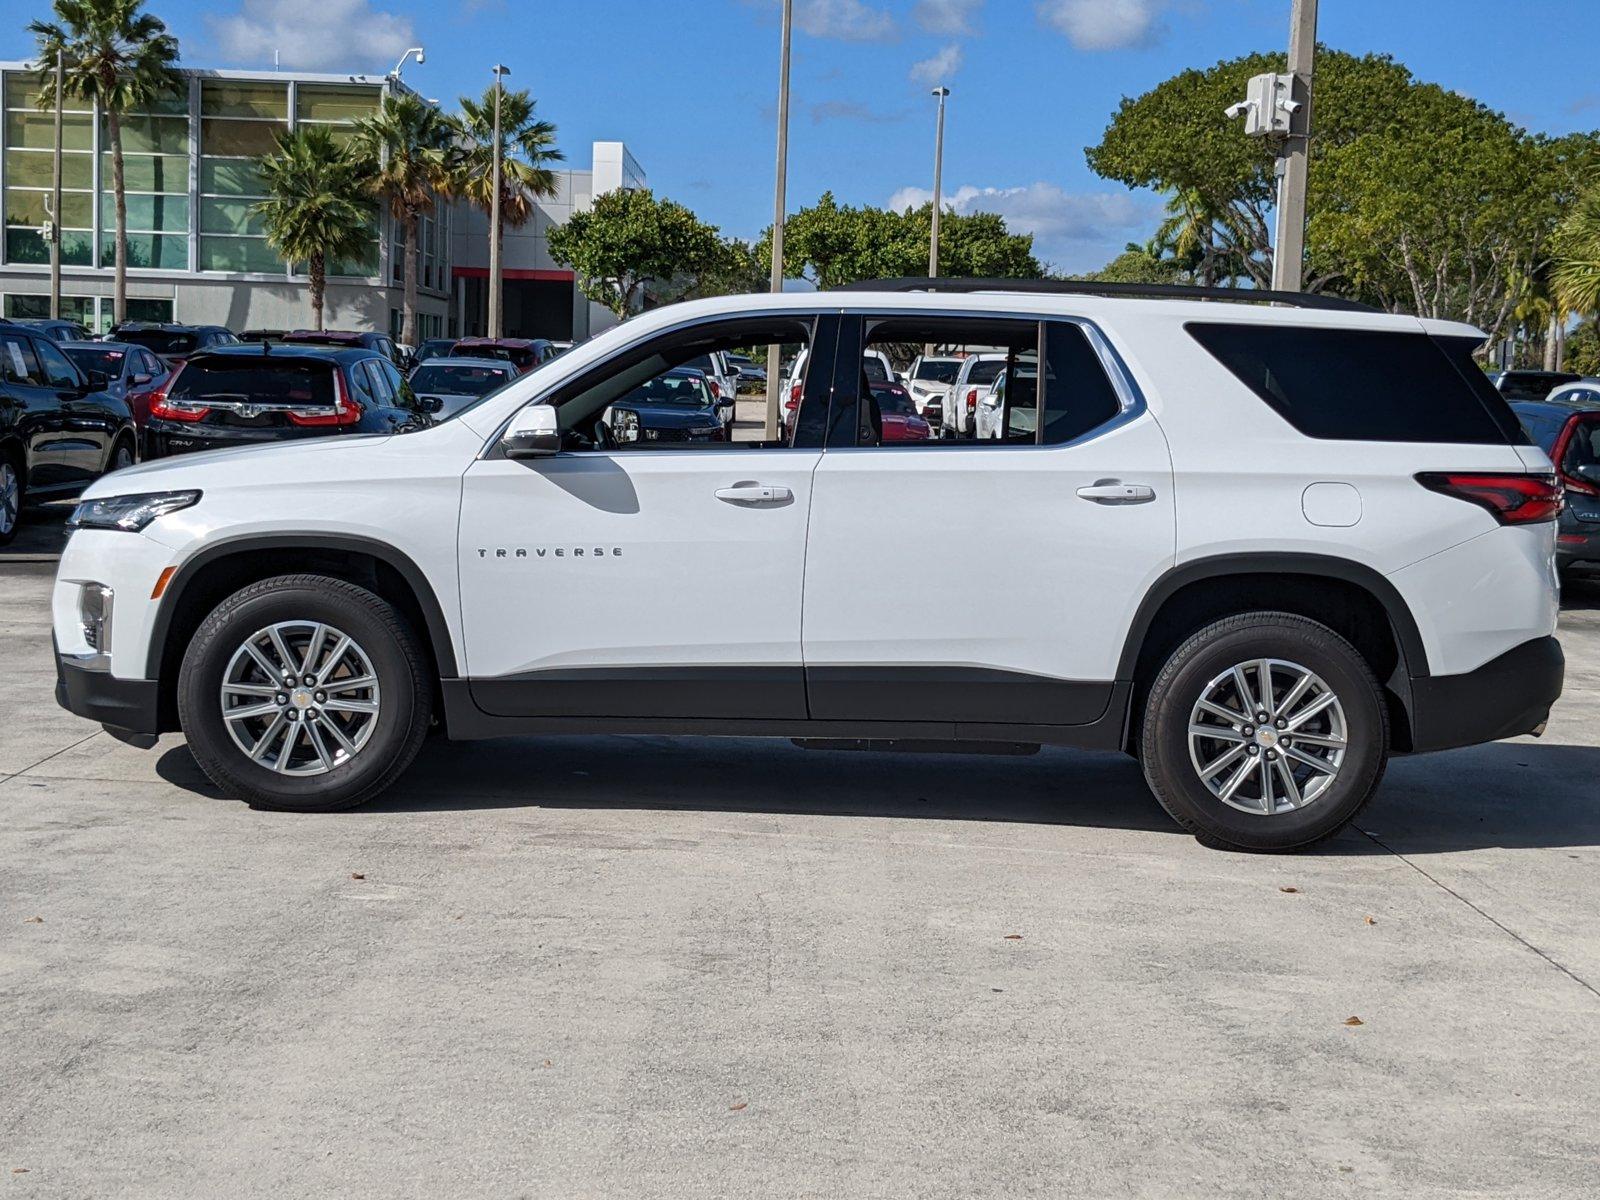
(656, 967)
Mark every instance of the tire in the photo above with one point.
(319, 774)
(123, 454)
(12, 486)
(1295, 648)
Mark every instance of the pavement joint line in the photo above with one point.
(53, 754)
(1509, 932)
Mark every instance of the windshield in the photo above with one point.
(986, 371)
(510, 354)
(159, 340)
(936, 371)
(107, 362)
(1532, 385)
(443, 377)
(675, 391)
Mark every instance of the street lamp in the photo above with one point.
(495, 317)
(938, 182)
(774, 353)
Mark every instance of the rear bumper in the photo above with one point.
(123, 706)
(1507, 696)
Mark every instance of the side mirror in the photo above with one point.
(533, 433)
(624, 425)
(1589, 471)
(139, 377)
(430, 404)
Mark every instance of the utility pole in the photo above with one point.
(775, 353)
(938, 183)
(1288, 254)
(496, 317)
(55, 200)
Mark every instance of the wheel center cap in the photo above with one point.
(301, 699)
(1267, 738)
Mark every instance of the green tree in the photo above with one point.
(121, 59)
(630, 239)
(833, 244)
(527, 150)
(318, 207)
(1137, 264)
(1575, 277)
(410, 152)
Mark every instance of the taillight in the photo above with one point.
(972, 399)
(793, 402)
(1512, 499)
(345, 410)
(716, 392)
(176, 410)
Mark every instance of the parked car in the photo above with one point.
(248, 395)
(972, 383)
(59, 428)
(434, 348)
(1531, 385)
(895, 416)
(676, 406)
(133, 374)
(719, 372)
(56, 329)
(1566, 426)
(523, 353)
(1262, 548)
(748, 374)
(875, 368)
(172, 344)
(258, 336)
(444, 385)
(380, 343)
(929, 381)
(991, 422)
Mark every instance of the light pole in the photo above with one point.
(774, 352)
(55, 203)
(1289, 246)
(500, 72)
(938, 183)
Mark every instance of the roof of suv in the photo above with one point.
(263, 350)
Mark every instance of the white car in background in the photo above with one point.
(874, 363)
(990, 417)
(973, 382)
(929, 381)
(719, 372)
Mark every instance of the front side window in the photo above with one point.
(58, 372)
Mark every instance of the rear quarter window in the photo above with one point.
(1365, 385)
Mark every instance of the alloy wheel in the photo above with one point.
(10, 496)
(1267, 736)
(300, 697)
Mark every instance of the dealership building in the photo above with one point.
(196, 252)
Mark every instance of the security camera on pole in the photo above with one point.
(1278, 107)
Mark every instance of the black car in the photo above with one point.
(59, 428)
(347, 339)
(1531, 385)
(1566, 426)
(676, 406)
(172, 343)
(247, 395)
(54, 328)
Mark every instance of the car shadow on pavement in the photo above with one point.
(1508, 794)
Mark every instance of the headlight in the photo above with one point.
(131, 513)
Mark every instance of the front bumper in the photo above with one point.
(1507, 696)
(124, 706)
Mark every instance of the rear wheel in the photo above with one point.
(122, 455)
(1264, 731)
(10, 496)
(304, 693)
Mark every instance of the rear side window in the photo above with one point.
(249, 380)
(1365, 385)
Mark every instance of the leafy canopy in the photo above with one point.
(528, 148)
(629, 239)
(318, 205)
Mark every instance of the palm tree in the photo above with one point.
(121, 59)
(528, 147)
(318, 206)
(409, 146)
(1575, 278)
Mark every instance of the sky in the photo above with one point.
(691, 85)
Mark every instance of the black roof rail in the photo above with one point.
(1130, 291)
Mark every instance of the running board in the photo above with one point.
(918, 746)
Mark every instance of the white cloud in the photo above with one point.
(845, 20)
(1104, 24)
(1073, 231)
(946, 16)
(312, 34)
(938, 69)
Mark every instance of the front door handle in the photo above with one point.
(755, 493)
(1114, 491)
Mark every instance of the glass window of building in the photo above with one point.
(339, 107)
(155, 173)
(29, 140)
(239, 123)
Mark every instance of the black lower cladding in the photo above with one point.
(952, 694)
(125, 704)
(1507, 696)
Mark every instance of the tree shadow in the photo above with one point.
(1508, 794)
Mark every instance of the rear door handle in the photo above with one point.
(1114, 491)
(755, 493)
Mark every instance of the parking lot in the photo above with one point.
(637, 966)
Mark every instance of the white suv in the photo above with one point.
(1258, 547)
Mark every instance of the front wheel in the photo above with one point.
(304, 693)
(1264, 731)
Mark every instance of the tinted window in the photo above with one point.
(159, 341)
(107, 362)
(58, 372)
(1077, 394)
(1583, 447)
(247, 378)
(381, 387)
(985, 373)
(1533, 385)
(17, 361)
(938, 371)
(1364, 385)
(874, 370)
(441, 377)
